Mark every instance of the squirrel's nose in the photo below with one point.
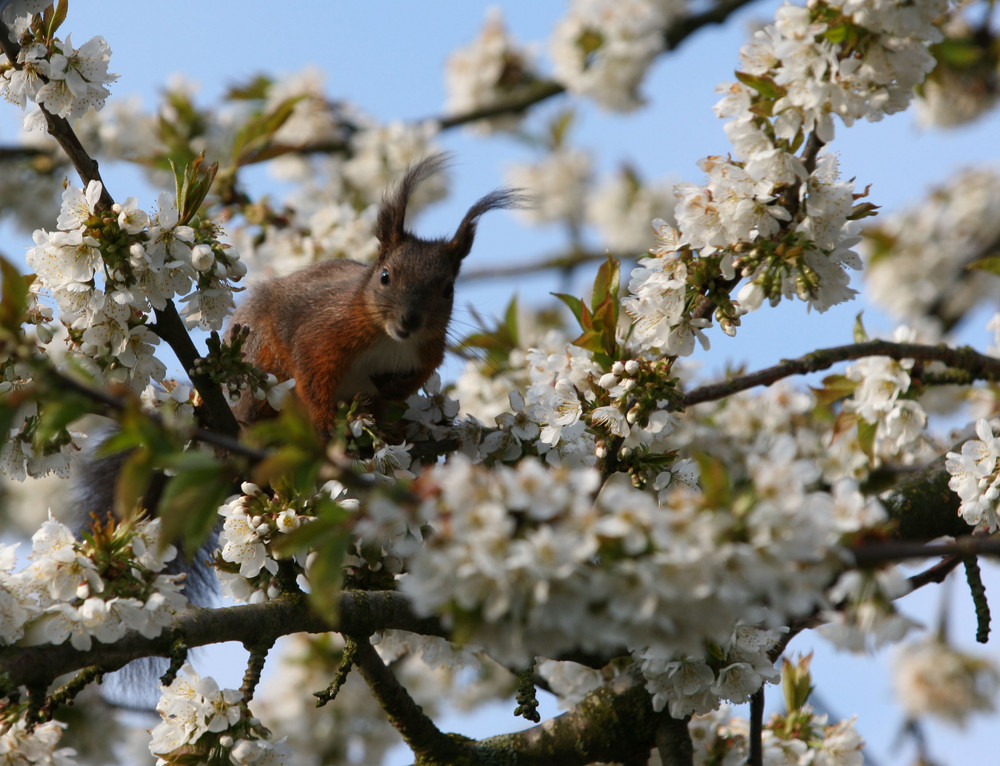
(410, 321)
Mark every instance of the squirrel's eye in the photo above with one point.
(384, 277)
(449, 289)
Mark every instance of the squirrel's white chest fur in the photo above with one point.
(384, 356)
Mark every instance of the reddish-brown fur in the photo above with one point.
(342, 328)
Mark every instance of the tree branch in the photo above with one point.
(873, 554)
(562, 262)
(613, 723)
(980, 366)
(409, 719)
(117, 404)
(756, 757)
(361, 612)
(542, 90)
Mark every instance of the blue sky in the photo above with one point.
(387, 57)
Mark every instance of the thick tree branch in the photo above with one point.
(409, 719)
(923, 507)
(980, 366)
(361, 612)
(613, 723)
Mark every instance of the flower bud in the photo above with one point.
(202, 257)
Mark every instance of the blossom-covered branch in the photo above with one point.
(99, 202)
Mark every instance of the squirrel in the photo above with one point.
(339, 328)
(342, 328)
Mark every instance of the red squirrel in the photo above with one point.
(342, 328)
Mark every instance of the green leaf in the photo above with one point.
(14, 303)
(575, 305)
(591, 340)
(863, 210)
(835, 388)
(133, 481)
(866, 437)
(252, 90)
(715, 482)
(860, 336)
(796, 683)
(8, 413)
(56, 416)
(326, 576)
(764, 85)
(510, 323)
(988, 263)
(57, 18)
(327, 527)
(192, 185)
(253, 138)
(191, 499)
(289, 467)
(959, 53)
(836, 33)
(845, 421)
(606, 284)
(559, 128)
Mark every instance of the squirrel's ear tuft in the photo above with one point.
(390, 224)
(461, 243)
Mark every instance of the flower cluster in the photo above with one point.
(107, 269)
(200, 718)
(962, 86)
(657, 300)
(622, 207)
(603, 48)
(20, 454)
(879, 401)
(933, 678)
(245, 564)
(21, 744)
(866, 616)
(975, 477)
(100, 587)
(918, 258)
(67, 81)
(487, 73)
(556, 185)
(718, 738)
(546, 568)
(784, 221)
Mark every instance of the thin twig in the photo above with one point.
(756, 757)
(565, 262)
(936, 574)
